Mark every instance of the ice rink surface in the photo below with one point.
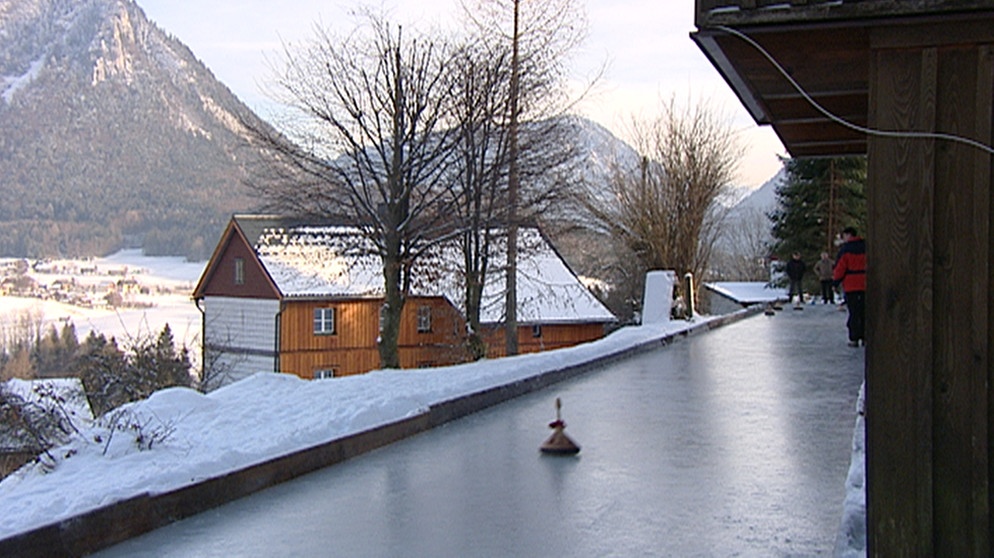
(734, 442)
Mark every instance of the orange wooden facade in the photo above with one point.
(352, 347)
(235, 271)
(533, 339)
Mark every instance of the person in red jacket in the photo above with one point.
(850, 270)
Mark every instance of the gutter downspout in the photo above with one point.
(203, 336)
(278, 325)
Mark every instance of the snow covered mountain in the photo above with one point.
(762, 199)
(111, 133)
(744, 242)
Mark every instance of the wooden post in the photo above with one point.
(929, 302)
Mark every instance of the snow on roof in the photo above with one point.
(320, 261)
(335, 261)
(548, 290)
(747, 292)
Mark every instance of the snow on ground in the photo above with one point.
(170, 283)
(852, 533)
(254, 420)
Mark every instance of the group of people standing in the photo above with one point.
(848, 270)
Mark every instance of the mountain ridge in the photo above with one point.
(112, 134)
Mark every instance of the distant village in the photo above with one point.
(81, 283)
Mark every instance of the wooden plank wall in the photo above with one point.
(929, 302)
(552, 337)
(353, 349)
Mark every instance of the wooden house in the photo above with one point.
(294, 297)
(910, 84)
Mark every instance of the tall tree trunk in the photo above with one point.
(396, 215)
(511, 308)
(393, 305)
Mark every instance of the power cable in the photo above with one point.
(842, 121)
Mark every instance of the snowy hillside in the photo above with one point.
(153, 292)
(113, 134)
(763, 198)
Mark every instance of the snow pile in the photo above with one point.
(852, 533)
(178, 436)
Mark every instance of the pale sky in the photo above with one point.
(645, 44)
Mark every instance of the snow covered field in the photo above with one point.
(167, 282)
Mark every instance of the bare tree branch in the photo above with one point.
(667, 213)
(368, 145)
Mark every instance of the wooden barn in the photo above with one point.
(295, 297)
(910, 84)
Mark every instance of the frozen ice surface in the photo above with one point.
(735, 442)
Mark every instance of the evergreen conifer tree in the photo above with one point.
(173, 367)
(819, 198)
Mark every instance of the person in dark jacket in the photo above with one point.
(850, 270)
(795, 272)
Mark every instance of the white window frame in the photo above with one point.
(324, 321)
(424, 319)
(325, 374)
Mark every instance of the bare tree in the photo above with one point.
(527, 44)
(667, 212)
(369, 145)
(31, 424)
(744, 248)
(19, 332)
(218, 363)
(481, 172)
(479, 113)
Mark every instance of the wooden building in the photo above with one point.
(913, 82)
(296, 297)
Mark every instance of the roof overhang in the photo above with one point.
(830, 67)
(824, 47)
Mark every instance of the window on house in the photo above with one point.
(324, 321)
(239, 271)
(536, 330)
(424, 319)
(324, 374)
